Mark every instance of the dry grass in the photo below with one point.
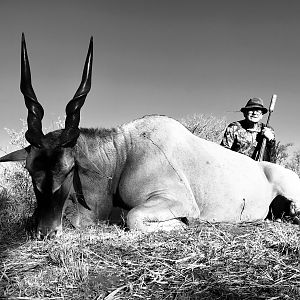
(207, 261)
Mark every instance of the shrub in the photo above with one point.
(207, 127)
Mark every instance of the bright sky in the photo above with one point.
(157, 56)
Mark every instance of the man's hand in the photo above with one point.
(268, 133)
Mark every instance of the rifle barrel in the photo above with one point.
(264, 141)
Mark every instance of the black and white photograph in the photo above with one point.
(149, 149)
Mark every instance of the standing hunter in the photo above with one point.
(246, 136)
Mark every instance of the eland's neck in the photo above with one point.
(102, 152)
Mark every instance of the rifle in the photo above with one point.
(264, 141)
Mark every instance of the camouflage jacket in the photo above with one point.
(239, 138)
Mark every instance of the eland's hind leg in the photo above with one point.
(158, 214)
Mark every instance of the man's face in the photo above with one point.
(254, 115)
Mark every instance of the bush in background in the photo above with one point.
(288, 158)
(207, 127)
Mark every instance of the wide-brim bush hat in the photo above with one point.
(255, 103)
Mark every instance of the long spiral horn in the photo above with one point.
(71, 131)
(34, 134)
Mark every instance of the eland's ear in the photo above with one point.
(17, 155)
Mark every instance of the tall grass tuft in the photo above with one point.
(17, 200)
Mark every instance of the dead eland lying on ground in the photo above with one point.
(154, 167)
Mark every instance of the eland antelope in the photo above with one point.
(154, 167)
